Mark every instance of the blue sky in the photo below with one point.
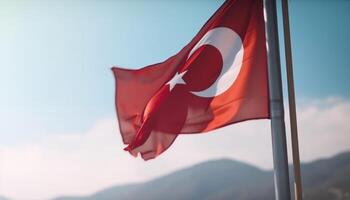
(320, 35)
(55, 60)
(56, 55)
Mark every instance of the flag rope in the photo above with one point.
(291, 100)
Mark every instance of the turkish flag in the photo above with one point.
(219, 78)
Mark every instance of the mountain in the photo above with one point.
(326, 179)
(202, 181)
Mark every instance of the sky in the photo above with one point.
(58, 129)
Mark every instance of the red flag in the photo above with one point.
(219, 78)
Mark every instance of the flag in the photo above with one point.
(219, 78)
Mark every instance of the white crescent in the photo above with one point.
(230, 46)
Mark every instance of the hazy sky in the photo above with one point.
(58, 133)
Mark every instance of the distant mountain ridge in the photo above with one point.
(326, 179)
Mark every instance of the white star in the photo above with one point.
(177, 79)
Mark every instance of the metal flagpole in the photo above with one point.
(279, 148)
(291, 96)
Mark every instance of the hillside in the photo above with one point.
(327, 179)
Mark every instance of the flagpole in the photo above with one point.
(279, 148)
(291, 96)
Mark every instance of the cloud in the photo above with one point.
(324, 128)
(82, 163)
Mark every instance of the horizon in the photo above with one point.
(58, 119)
(192, 167)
